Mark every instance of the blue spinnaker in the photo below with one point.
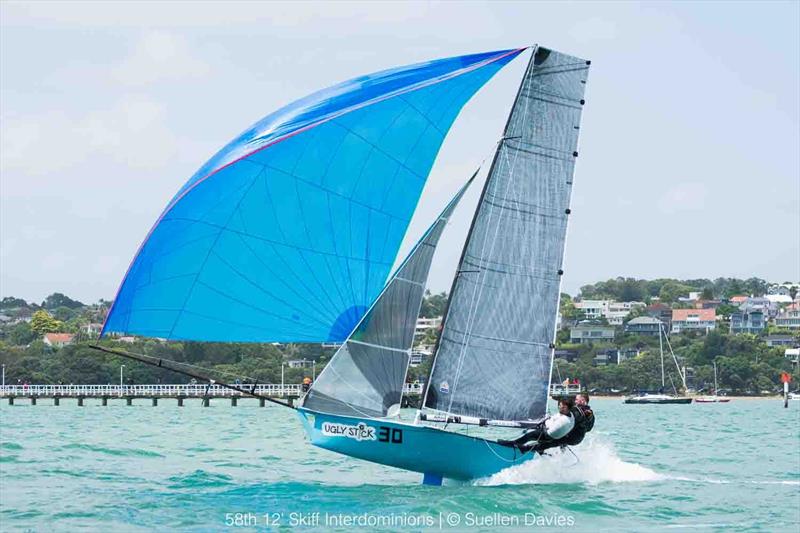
(288, 234)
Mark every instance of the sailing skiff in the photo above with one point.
(288, 234)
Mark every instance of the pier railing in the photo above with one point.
(558, 390)
(199, 390)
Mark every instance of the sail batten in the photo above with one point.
(494, 356)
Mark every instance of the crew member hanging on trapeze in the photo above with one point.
(568, 427)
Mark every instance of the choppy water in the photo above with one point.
(706, 467)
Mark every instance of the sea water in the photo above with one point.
(224, 468)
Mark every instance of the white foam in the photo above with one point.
(597, 462)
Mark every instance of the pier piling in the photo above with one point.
(129, 401)
(80, 401)
(104, 400)
(33, 400)
(206, 401)
(180, 401)
(262, 402)
(56, 400)
(234, 399)
(155, 402)
(10, 400)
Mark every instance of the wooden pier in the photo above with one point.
(205, 393)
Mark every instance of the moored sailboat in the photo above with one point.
(713, 398)
(661, 398)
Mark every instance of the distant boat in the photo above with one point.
(713, 398)
(660, 398)
(794, 395)
(657, 398)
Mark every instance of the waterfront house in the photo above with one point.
(617, 311)
(782, 340)
(707, 304)
(752, 321)
(416, 358)
(629, 353)
(593, 309)
(660, 311)
(614, 312)
(703, 320)
(92, 329)
(789, 318)
(426, 324)
(612, 356)
(58, 340)
(783, 289)
(605, 357)
(570, 356)
(792, 354)
(585, 333)
(759, 303)
(644, 325)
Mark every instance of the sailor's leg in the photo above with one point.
(531, 436)
(547, 443)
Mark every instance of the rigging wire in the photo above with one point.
(167, 364)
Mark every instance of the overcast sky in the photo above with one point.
(688, 164)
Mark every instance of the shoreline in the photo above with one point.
(747, 398)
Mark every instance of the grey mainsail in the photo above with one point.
(495, 353)
(365, 376)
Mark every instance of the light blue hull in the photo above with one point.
(433, 452)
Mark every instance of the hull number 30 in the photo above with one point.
(387, 434)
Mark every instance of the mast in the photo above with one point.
(661, 349)
(715, 377)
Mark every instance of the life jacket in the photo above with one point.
(584, 417)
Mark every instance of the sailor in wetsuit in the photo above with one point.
(583, 422)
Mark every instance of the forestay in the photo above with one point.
(290, 232)
(495, 353)
(365, 377)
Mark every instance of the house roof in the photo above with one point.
(696, 314)
(738, 299)
(59, 337)
(644, 320)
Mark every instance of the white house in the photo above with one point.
(57, 340)
(426, 324)
(693, 320)
(789, 318)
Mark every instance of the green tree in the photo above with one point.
(43, 322)
(9, 302)
(433, 305)
(21, 334)
(64, 313)
(57, 299)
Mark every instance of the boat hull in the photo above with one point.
(430, 451)
(649, 401)
(712, 400)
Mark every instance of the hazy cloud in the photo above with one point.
(683, 197)
(160, 56)
(133, 131)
